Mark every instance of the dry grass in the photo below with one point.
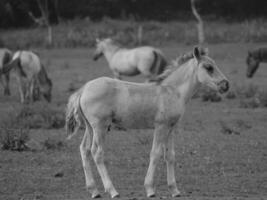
(38, 115)
(82, 33)
(14, 139)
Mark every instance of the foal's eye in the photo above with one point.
(209, 69)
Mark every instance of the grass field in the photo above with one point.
(221, 148)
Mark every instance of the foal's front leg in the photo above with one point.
(170, 161)
(98, 155)
(159, 141)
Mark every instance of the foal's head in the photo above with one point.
(209, 74)
(101, 46)
(252, 63)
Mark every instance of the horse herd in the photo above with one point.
(105, 103)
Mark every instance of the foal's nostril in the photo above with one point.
(224, 86)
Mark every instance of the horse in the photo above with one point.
(31, 76)
(254, 58)
(105, 102)
(5, 57)
(145, 60)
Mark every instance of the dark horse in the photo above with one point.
(254, 59)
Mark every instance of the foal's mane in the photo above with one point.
(182, 59)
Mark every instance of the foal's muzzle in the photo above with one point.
(96, 56)
(223, 86)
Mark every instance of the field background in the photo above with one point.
(221, 147)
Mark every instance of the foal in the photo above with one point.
(147, 61)
(103, 102)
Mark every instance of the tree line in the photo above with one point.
(24, 13)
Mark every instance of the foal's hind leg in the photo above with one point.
(169, 152)
(85, 149)
(98, 155)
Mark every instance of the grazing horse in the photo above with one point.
(31, 76)
(254, 59)
(106, 102)
(145, 60)
(5, 57)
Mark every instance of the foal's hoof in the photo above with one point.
(176, 195)
(115, 195)
(151, 195)
(95, 196)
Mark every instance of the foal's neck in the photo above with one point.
(183, 81)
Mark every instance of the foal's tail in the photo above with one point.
(74, 114)
(160, 62)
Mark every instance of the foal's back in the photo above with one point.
(132, 104)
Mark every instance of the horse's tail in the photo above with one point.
(74, 114)
(14, 62)
(10, 65)
(160, 62)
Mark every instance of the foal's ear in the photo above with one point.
(196, 53)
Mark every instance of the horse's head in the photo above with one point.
(46, 90)
(209, 74)
(100, 47)
(252, 64)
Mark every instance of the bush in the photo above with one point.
(52, 144)
(250, 103)
(230, 95)
(210, 95)
(227, 129)
(39, 115)
(14, 139)
(247, 91)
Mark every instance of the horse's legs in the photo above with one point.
(155, 154)
(98, 155)
(85, 149)
(170, 161)
(31, 90)
(28, 97)
(6, 84)
(22, 88)
(116, 75)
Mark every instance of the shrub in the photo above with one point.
(230, 95)
(39, 115)
(250, 103)
(14, 139)
(247, 91)
(210, 95)
(227, 129)
(53, 144)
